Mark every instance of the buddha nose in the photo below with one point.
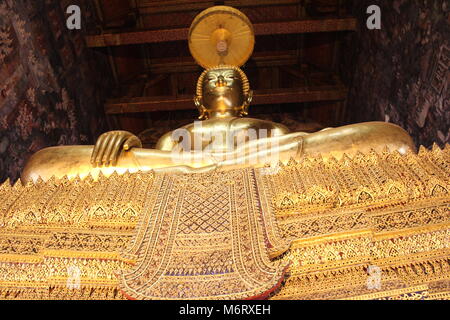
(220, 81)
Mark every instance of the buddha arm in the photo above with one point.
(75, 161)
(165, 142)
(361, 137)
(364, 137)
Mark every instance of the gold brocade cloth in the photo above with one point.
(203, 236)
(375, 226)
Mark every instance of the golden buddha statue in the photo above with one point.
(120, 150)
(224, 139)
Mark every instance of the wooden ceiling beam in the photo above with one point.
(261, 97)
(181, 34)
(188, 64)
(306, 26)
(165, 66)
(155, 7)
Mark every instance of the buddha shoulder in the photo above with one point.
(236, 124)
(273, 129)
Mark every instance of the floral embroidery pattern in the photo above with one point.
(51, 91)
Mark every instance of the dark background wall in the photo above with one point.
(401, 72)
(51, 87)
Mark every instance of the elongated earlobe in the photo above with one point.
(247, 102)
(249, 98)
(201, 109)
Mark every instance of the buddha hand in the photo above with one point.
(110, 145)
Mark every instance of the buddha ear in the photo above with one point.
(201, 109)
(248, 100)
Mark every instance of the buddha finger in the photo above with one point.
(103, 146)
(110, 148)
(132, 142)
(117, 148)
(97, 149)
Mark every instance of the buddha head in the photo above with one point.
(223, 91)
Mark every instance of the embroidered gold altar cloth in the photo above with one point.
(372, 227)
(202, 236)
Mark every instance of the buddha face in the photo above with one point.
(223, 92)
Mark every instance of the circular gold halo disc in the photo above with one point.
(221, 35)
